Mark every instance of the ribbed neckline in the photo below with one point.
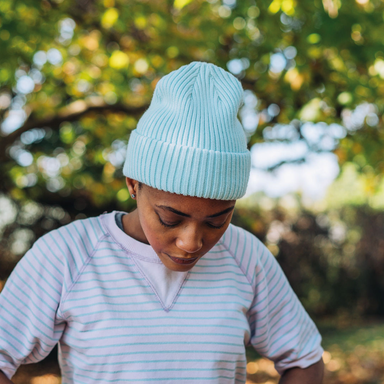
(131, 245)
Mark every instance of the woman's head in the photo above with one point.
(180, 229)
(190, 153)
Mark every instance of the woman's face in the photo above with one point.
(180, 229)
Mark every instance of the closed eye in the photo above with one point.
(216, 226)
(167, 225)
(173, 225)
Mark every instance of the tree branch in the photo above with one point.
(72, 112)
(300, 160)
(279, 164)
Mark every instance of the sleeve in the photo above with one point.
(29, 323)
(280, 327)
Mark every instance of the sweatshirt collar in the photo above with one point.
(127, 242)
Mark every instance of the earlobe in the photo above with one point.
(132, 186)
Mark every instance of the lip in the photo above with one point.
(183, 261)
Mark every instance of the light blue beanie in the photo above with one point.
(190, 141)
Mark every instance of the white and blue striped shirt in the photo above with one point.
(120, 316)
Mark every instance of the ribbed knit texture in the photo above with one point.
(190, 141)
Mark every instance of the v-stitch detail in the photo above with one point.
(148, 280)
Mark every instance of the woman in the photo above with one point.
(172, 291)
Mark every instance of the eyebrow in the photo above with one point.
(186, 215)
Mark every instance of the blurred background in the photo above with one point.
(75, 77)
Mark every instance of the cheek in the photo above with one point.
(157, 242)
(157, 237)
(213, 238)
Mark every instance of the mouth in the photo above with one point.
(182, 260)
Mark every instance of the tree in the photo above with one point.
(75, 77)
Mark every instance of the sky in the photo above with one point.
(311, 178)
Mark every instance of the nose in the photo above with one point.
(189, 241)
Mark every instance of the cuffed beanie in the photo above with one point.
(190, 141)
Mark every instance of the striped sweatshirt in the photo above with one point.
(119, 315)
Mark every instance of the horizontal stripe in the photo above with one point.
(172, 352)
(161, 361)
(122, 335)
(109, 297)
(165, 326)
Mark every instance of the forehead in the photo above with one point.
(187, 204)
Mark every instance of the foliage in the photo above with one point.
(77, 75)
(333, 258)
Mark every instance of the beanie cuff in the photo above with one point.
(186, 170)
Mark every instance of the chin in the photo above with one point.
(180, 268)
(173, 266)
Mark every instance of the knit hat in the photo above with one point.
(190, 141)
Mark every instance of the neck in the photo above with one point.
(132, 227)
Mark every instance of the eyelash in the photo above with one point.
(167, 225)
(215, 226)
(174, 225)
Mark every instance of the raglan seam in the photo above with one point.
(77, 277)
(239, 265)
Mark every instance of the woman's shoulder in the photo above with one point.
(237, 239)
(73, 242)
(84, 230)
(245, 248)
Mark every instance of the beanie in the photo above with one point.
(190, 141)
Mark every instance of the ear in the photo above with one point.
(133, 186)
